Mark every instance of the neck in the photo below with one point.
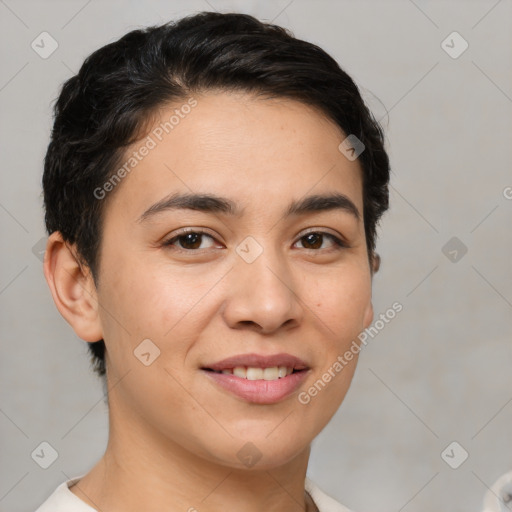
(143, 470)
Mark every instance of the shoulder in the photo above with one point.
(63, 500)
(324, 502)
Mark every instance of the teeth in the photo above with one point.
(240, 371)
(270, 373)
(253, 373)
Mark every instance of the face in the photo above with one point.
(236, 275)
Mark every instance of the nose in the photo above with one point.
(262, 295)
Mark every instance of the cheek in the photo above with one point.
(144, 299)
(341, 301)
(140, 293)
(341, 307)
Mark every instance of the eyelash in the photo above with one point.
(339, 244)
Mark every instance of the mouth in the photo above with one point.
(256, 373)
(258, 379)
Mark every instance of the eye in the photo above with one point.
(189, 240)
(192, 240)
(314, 240)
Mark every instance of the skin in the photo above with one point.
(174, 435)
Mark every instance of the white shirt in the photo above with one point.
(63, 500)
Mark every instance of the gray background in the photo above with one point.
(439, 372)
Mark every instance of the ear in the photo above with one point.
(72, 288)
(369, 313)
(375, 263)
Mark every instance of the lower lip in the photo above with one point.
(259, 391)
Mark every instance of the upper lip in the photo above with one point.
(258, 361)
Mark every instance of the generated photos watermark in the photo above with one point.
(304, 397)
(150, 142)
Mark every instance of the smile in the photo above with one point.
(255, 373)
(258, 385)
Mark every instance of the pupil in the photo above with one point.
(312, 237)
(192, 239)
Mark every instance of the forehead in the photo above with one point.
(235, 144)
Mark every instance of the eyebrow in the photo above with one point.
(211, 203)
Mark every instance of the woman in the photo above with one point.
(212, 190)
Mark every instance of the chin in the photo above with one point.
(259, 452)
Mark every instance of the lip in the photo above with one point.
(258, 361)
(259, 391)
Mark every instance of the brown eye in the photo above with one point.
(189, 241)
(314, 240)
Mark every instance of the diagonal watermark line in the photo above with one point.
(13, 13)
(485, 485)
(15, 424)
(488, 215)
(212, 287)
(405, 504)
(215, 488)
(415, 209)
(13, 279)
(486, 14)
(199, 403)
(366, 93)
(216, 10)
(14, 485)
(284, 488)
(280, 423)
(413, 87)
(403, 403)
(90, 409)
(499, 498)
(76, 14)
(72, 72)
(493, 287)
(95, 404)
(13, 77)
(424, 14)
(14, 218)
(281, 11)
(494, 416)
(423, 280)
(77, 485)
(492, 81)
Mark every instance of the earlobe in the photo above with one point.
(72, 288)
(369, 313)
(375, 263)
